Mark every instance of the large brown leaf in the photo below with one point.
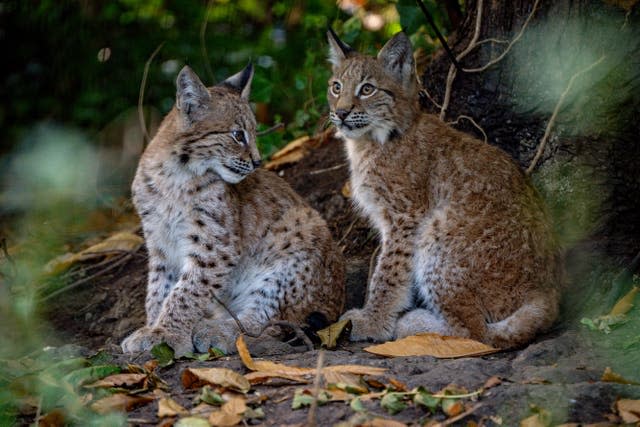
(435, 345)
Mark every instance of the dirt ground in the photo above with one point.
(560, 372)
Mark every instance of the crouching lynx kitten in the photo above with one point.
(217, 227)
(467, 246)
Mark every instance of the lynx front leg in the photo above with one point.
(162, 279)
(211, 251)
(388, 294)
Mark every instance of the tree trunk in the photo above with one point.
(589, 170)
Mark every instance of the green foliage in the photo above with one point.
(82, 64)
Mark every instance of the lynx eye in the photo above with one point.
(367, 89)
(239, 136)
(336, 87)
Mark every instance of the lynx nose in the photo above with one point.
(256, 163)
(342, 113)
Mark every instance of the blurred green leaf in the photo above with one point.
(164, 354)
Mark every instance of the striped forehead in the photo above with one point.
(358, 69)
(227, 104)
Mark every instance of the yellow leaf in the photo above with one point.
(119, 402)
(119, 380)
(625, 303)
(290, 153)
(432, 345)
(272, 369)
(119, 242)
(354, 369)
(230, 414)
(348, 382)
(267, 366)
(383, 422)
(195, 377)
(629, 410)
(611, 377)
(329, 336)
(533, 421)
(346, 190)
(261, 377)
(168, 407)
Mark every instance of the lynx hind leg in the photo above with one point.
(419, 321)
(534, 316)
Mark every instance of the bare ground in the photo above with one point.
(560, 372)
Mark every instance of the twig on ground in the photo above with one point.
(36, 422)
(346, 233)
(332, 168)
(296, 328)
(143, 84)
(473, 122)
(118, 261)
(271, 129)
(311, 416)
(458, 417)
(554, 115)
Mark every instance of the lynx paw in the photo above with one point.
(145, 338)
(366, 326)
(220, 334)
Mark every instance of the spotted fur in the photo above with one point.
(467, 244)
(216, 225)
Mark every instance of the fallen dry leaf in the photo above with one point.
(611, 377)
(432, 345)
(625, 303)
(196, 377)
(398, 385)
(492, 382)
(54, 418)
(230, 414)
(290, 153)
(119, 242)
(168, 407)
(349, 382)
(629, 410)
(329, 335)
(354, 369)
(273, 369)
(120, 402)
(119, 380)
(383, 422)
(346, 190)
(262, 377)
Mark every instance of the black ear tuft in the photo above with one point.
(338, 50)
(241, 81)
(191, 94)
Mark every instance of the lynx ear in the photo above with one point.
(241, 81)
(396, 57)
(192, 95)
(338, 50)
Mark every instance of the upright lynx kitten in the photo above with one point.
(215, 225)
(467, 247)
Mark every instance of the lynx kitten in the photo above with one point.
(216, 226)
(467, 246)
